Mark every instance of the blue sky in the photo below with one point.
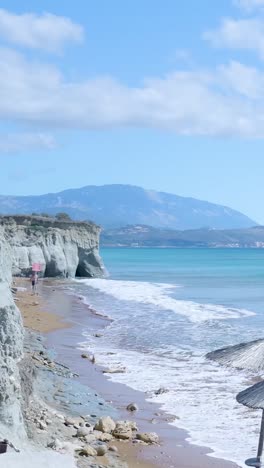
(165, 95)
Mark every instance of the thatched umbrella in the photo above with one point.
(248, 356)
(242, 356)
(253, 397)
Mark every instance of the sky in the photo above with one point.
(165, 95)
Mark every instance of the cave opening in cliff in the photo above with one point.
(79, 272)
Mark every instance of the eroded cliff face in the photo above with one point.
(11, 350)
(63, 248)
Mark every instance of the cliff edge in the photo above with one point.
(63, 248)
(11, 351)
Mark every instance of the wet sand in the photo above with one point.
(174, 451)
(62, 318)
(34, 310)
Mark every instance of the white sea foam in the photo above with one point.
(201, 395)
(159, 294)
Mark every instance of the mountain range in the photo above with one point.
(119, 205)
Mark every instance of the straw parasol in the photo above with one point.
(248, 356)
(253, 397)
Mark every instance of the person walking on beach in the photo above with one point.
(34, 281)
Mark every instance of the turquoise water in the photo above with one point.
(232, 277)
(169, 308)
(205, 267)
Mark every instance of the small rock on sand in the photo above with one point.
(104, 437)
(72, 422)
(87, 451)
(85, 356)
(132, 407)
(161, 390)
(42, 425)
(120, 370)
(90, 438)
(124, 430)
(102, 450)
(113, 448)
(148, 437)
(105, 424)
(83, 432)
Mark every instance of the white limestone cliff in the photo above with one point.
(63, 248)
(11, 351)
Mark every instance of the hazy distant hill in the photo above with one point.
(119, 205)
(147, 236)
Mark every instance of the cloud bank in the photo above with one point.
(220, 102)
(225, 101)
(47, 32)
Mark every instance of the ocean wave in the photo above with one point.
(159, 295)
(200, 394)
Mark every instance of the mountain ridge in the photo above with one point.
(116, 205)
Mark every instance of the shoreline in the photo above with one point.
(174, 445)
(63, 333)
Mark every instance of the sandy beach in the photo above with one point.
(60, 317)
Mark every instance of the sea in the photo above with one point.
(169, 307)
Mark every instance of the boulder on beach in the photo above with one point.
(104, 437)
(105, 424)
(123, 433)
(83, 431)
(148, 437)
(87, 451)
(124, 430)
(72, 421)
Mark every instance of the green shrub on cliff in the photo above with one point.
(63, 217)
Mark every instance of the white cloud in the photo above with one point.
(227, 101)
(249, 5)
(47, 32)
(244, 34)
(243, 80)
(19, 142)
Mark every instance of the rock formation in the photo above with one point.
(63, 248)
(11, 350)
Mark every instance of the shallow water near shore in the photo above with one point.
(169, 308)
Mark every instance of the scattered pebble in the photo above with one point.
(102, 450)
(113, 448)
(85, 356)
(132, 407)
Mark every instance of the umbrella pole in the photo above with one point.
(261, 438)
(256, 462)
